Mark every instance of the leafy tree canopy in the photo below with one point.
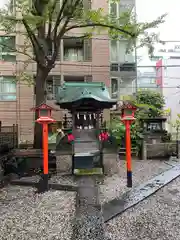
(152, 101)
(46, 22)
(149, 104)
(41, 24)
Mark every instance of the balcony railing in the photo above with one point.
(128, 67)
(124, 67)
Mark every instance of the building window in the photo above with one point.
(77, 49)
(114, 10)
(69, 78)
(119, 52)
(73, 54)
(7, 48)
(7, 88)
(73, 49)
(114, 87)
(114, 51)
(117, 8)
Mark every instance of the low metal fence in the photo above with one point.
(8, 137)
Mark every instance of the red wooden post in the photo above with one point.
(127, 117)
(128, 154)
(45, 149)
(44, 114)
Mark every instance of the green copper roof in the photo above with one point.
(71, 93)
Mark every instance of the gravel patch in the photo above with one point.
(25, 215)
(115, 186)
(66, 180)
(156, 218)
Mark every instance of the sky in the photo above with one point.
(149, 10)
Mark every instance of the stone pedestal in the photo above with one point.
(64, 164)
(110, 161)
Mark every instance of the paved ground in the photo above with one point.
(88, 222)
(156, 218)
(115, 186)
(25, 216)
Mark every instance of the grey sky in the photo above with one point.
(150, 9)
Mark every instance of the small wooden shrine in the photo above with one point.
(85, 102)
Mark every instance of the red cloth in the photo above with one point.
(103, 136)
(70, 138)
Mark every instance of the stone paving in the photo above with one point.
(88, 221)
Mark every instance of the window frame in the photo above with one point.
(118, 83)
(79, 55)
(118, 48)
(8, 94)
(7, 53)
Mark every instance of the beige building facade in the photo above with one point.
(87, 60)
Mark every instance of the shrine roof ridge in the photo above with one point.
(84, 84)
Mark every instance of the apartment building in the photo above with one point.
(122, 64)
(149, 74)
(79, 60)
(147, 80)
(170, 84)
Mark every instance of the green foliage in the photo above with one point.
(32, 20)
(149, 104)
(153, 103)
(176, 124)
(117, 129)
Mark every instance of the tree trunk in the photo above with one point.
(40, 82)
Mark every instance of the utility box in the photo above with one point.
(89, 163)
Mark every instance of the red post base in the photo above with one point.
(43, 185)
(129, 179)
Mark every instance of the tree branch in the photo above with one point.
(50, 19)
(57, 41)
(69, 16)
(30, 35)
(36, 45)
(58, 37)
(100, 25)
(16, 50)
(59, 18)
